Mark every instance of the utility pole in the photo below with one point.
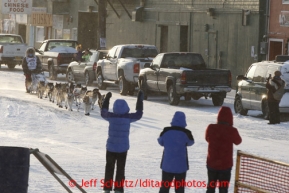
(102, 23)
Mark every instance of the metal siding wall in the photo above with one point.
(233, 39)
(126, 31)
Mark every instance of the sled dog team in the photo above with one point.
(64, 94)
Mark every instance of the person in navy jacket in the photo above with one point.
(221, 137)
(117, 143)
(174, 164)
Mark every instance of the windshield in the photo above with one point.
(185, 60)
(139, 52)
(10, 39)
(56, 44)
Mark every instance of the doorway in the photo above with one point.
(164, 39)
(275, 48)
(22, 31)
(184, 38)
(212, 49)
(87, 34)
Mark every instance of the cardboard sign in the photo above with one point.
(41, 19)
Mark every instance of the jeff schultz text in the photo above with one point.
(144, 183)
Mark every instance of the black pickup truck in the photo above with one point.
(55, 55)
(184, 74)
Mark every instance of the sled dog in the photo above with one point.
(41, 86)
(55, 91)
(49, 90)
(69, 97)
(61, 94)
(79, 94)
(87, 100)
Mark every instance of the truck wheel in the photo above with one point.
(131, 90)
(52, 73)
(217, 100)
(11, 66)
(174, 99)
(239, 107)
(69, 76)
(87, 79)
(187, 97)
(123, 86)
(265, 109)
(99, 79)
(143, 87)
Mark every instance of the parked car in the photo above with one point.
(12, 50)
(85, 71)
(251, 92)
(55, 55)
(122, 65)
(184, 74)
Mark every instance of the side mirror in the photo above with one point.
(154, 66)
(241, 77)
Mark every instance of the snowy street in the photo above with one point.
(77, 142)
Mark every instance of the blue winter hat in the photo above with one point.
(179, 119)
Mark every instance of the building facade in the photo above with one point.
(228, 33)
(57, 19)
(278, 33)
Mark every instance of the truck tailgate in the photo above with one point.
(12, 50)
(210, 77)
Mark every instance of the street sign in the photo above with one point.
(16, 6)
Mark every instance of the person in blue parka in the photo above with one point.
(117, 143)
(174, 164)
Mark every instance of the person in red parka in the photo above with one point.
(221, 137)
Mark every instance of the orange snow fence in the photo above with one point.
(255, 174)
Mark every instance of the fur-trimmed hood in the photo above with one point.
(30, 49)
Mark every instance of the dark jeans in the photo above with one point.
(274, 113)
(120, 159)
(223, 178)
(179, 183)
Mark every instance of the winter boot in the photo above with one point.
(106, 191)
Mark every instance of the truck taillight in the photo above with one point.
(183, 78)
(94, 66)
(1, 49)
(230, 78)
(136, 68)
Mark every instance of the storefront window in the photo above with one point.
(40, 35)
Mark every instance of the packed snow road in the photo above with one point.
(77, 142)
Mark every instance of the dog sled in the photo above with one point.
(38, 84)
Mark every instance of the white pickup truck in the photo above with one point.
(12, 50)
(122, 65)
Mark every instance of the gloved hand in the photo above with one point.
(108, 96)
(105, 103)
(139, 103)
